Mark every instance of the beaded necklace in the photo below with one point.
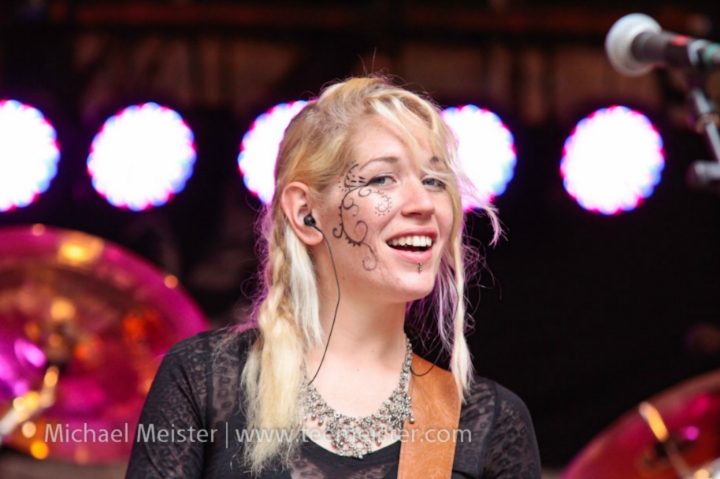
(356, 436)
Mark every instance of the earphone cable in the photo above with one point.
(337, 306)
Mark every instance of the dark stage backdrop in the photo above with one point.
(582, 315)
(588, 314)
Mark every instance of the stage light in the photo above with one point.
(485, 149)
(142, 157)
(259, 148)
(29, 154)
(612, 160)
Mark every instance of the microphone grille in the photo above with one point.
(618, 43)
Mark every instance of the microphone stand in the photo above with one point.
(704, 175)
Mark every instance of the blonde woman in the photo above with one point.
(366, 220)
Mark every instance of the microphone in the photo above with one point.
(704, 175)
(637, 43)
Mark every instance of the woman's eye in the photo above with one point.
(382, 180)
(434, 182)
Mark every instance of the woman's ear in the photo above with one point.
(296, 202)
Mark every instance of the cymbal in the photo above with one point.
(628, 448)
(100, 315)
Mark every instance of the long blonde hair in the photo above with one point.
(316, 150)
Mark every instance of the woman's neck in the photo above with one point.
(365, 325)
(364, 356)
(369, 331)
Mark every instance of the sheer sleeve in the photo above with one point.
(168, 440)
(512, 451)
(196, 391)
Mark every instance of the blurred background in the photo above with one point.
(583, 314)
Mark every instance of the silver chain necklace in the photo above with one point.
(355, 436)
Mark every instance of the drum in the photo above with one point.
(84, 325)
(675, 434)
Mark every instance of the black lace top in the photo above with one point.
(192, 426)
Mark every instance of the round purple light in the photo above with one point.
(29, 154)
(142, 157)
(485, 148)
(259, 148)
(612, 160)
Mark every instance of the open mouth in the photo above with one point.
(411, 243)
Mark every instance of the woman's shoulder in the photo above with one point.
(500, 427)
(221, 340)
(484, 393)
(219, 347)
(493, 405)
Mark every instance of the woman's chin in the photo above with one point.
(410, 292)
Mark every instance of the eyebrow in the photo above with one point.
(394, 159)
(382, 159)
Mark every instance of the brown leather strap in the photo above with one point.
(428, 448)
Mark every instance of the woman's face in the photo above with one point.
(389, 217)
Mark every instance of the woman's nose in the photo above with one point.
(417, 200)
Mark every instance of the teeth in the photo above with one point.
(416, 241)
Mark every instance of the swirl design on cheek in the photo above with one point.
(384, 205)
(356, 233)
